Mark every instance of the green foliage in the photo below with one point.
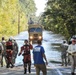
(59, 17)
(28, 6)
(12, 14)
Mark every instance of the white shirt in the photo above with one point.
(71, 48)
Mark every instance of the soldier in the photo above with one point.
(9, 53)
(15, 51)
(4, 50)
(72, 53)
(26, 56)
(64, 47)
(1, 51)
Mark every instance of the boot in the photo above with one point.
(2, 62)
(11, 65)
(7, 66)
(72, 73)
(29, 69)
(25, 71)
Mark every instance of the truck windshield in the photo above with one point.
(35, 29)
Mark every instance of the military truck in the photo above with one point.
(35, 32)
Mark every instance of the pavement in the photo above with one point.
(17, 70)
(52, 69)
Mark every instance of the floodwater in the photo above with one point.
(51, 43)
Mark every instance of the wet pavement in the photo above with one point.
(51, 43)
(52, 69)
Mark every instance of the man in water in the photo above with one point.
(38, 56)
(25, 49)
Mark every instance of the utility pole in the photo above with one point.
(18, 22)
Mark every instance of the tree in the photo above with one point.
(59, 17)
(9, 10)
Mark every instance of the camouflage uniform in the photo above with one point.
(15, 51)
(64, 47)
(4, 50)
(1, 51)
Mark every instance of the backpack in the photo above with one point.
(8, 43)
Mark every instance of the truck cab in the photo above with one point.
(35, 32)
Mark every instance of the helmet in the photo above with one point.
(11, 38)
(64, 41)
(26, 40)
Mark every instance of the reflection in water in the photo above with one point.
(50, 43)
(52, 53)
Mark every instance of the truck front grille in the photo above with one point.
(35, 35)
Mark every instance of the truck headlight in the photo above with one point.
(40, 37)
(31, 37)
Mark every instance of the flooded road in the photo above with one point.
(50, 43)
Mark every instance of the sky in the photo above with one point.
(40, 5)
